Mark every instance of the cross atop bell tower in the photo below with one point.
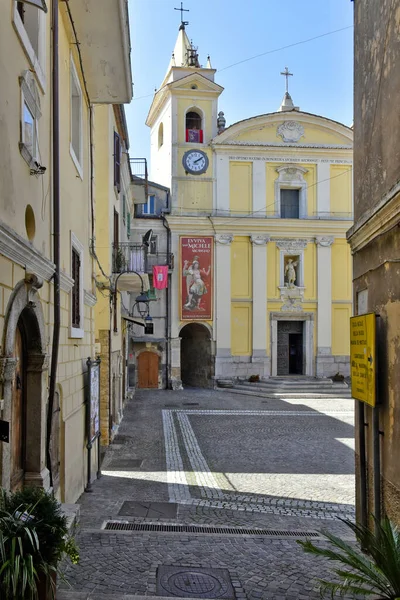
(182, 10)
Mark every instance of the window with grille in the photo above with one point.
(76, 292)
(290, 208)
(117, 161)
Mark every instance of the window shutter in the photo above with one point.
(128, 225)
(117, 161)
(76, 309)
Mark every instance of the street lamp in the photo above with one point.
(142, 305)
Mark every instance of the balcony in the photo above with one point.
(129, 257)
(139, 180)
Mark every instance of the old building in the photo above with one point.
(259, 214)
(47, 229)
(375, 244)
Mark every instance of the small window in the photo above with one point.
(149, 208)
(30, 115)
(76, 271)
(160, 135)
(76, 119)
(290, 204)
(77, 253)
(117, 161)
(194, 131)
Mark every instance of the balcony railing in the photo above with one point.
(128, 257)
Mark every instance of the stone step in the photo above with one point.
(245, 391)
(297, 386)
(293, 391)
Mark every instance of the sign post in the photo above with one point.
(93, 417)
(363, 358)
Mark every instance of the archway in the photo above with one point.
(196, 360)
(24, 370)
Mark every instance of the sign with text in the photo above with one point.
(363, 358)
(196, 267)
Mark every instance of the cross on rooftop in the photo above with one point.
(287, 75)
(183, 23)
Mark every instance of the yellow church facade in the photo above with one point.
(259, 214)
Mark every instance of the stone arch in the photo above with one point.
(201, 115)
(24, 310)
(196, 355)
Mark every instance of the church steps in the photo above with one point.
(291, 388)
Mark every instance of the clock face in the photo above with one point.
(195, 162)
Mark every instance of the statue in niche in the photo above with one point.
(290, 272)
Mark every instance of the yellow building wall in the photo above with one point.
(311, 179)
(312, 134)
(341, 329)
(341, 270)
(341, 189)
(241, 268)
(271, 176)
(272, 271)
(241, 329)
(195, 195)
(310, 272)
(241, 187)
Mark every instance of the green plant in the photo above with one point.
(39, 516)
(373, 572)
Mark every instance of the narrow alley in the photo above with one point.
(208, 461)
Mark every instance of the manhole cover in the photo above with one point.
(153, 510)
(125, 464)
(194, 583)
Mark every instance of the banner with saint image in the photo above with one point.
(196, 267)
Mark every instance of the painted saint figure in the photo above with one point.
(195, 285)
(290, 272)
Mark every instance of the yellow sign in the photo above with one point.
(363, 358)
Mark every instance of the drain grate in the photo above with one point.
(206, 529)
(190, 404)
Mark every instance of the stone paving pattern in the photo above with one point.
(233, 460)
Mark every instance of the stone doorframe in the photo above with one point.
(308, 339)
(24, 304)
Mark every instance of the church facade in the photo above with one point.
(262, 283)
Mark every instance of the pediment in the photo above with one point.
(287, 129)
(202, 83)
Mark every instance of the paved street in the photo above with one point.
(223, 460)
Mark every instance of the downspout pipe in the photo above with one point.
(167, 301)
(56, 234)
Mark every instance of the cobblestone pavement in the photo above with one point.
(225, 460)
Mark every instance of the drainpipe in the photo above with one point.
(167, 302)
(56, 236)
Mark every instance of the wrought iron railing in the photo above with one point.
(129, 257)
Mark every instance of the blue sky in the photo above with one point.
(235, 30)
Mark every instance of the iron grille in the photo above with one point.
(206, 529)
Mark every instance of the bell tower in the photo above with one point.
(183, 119)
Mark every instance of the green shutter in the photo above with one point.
(128, 225)
(123, 208)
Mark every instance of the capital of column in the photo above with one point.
(7, 369)
(260, 240)
(324, 241)
(224, 239)
(37, 363)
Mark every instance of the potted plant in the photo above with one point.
(373, 572)
(34, 538)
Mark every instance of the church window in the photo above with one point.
(160, 135)
(290, 204)
(194, 131)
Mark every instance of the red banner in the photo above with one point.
(196, 262)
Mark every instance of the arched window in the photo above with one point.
(194, 130)
(160, 135)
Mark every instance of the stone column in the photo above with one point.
(259, 243)
(259, 188)
(222, 283)
(324, 316)
(323, 188)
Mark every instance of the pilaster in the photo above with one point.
(223, 301)
(323, 188)
(324, 316)
(259, 188)
(259, 243)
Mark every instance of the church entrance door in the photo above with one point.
(290, 348)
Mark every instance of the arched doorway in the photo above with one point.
(148, 366)
(25, 365)
(196, 361)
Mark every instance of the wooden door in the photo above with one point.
(148, 370)
(18, 416)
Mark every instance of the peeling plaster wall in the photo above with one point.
(376, 264)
